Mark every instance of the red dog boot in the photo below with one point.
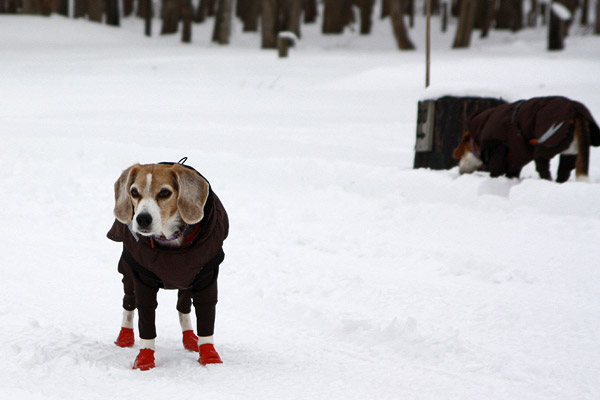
(208, 355)
(145, 360)
(126, 338)
(190, 341)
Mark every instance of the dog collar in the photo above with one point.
(175, 237)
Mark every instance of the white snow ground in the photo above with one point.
(349, 275)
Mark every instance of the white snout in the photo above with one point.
(468, 163)
(147, 207)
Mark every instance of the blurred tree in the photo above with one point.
(222, 27)
(80, 8)
(10, 6)
(43, 7)
(597, 29)
(290, 13)
(146, 6)
(397, 9)
(510, 15)
(585, 5)
(277, 16)
(310, 11)
(28, 7)
(385, 8)
(187, 14)
(269, 24)
(171, 15)
(112, 12)
(336, 16)
(466, 21)
(366, 14)
(533, 13)
(61, 7)
(128, 7)
(206, 8)
(484, 16)
(248, 11)
(94, 9)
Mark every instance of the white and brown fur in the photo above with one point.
(469, 162)
(157, 200)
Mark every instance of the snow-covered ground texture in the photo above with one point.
(349, 275)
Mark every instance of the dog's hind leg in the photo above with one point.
(205, 294)
(126, 336)
(582, 136)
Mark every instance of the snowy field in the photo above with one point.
(349, 275)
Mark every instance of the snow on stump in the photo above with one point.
(441, 123)
(285, 40)
(560, 17)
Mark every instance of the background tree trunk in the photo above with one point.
(510, 15)
(397, 8)
(290, 12)
(597, 28)
(249, 11)
(186, 16)
(80, 8)
(148, 14)
(466, 20)
(62, 7)
(112, 12)
(222, 28)
(201, 11)
(533, 13)
(310, 11)
(95, 9)
(127, 8)
(171, 15)
(385, 8)
(486, 11)
(269, 24)
(29, 7)
(366, 15)
(44, 7)
(585, 5)
(336, 15)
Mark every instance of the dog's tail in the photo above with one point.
(583, 138)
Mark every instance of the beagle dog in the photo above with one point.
(505, 138)
(172, 226)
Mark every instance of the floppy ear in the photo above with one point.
(462, 145)
(123, 208)
(192, 194)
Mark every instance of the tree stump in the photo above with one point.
(560, 16)
(440, 126)
(285, 40)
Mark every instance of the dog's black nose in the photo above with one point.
(144, 220)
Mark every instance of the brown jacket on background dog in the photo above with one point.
(507, 137)
(172, 227)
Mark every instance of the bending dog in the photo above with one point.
(172, 226)
(505, 138)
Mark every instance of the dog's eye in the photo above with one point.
(134, 193)
(164, 194)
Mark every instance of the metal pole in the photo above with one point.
(427, 41)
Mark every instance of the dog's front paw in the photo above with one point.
(126, 338)
(190, 341)
(208, 355)
(145, 360)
